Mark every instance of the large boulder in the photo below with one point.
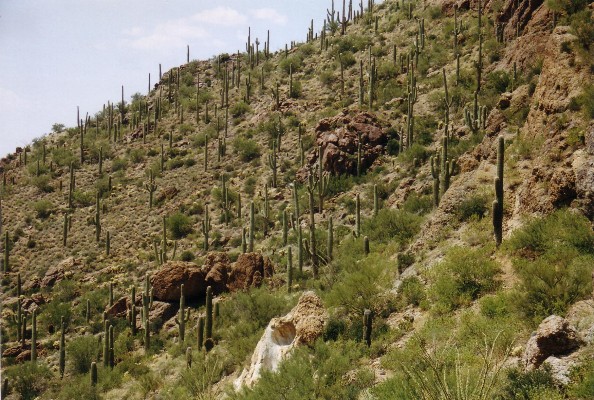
(302, 325)
(249, 270)
(61, 271)
(167, 281)
(217, 267)
(554, 337)
(339, 138)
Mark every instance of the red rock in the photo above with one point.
(249, 271)
(167, 281)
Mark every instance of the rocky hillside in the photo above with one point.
(399, 208)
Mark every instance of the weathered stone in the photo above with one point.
(217, 266)
(553, 337)
(302, 325)
(249, 271)
(167, 281)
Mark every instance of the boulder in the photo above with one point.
(167, 281)
(58, 272)
(217, 266)
(554, 337)
(119, 308)
(302, 325)
(339, 137)
(160, 312)
(249, 271)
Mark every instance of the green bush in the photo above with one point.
(118, 164)
(82, 351)
(63, 156)
(582, 25)
(137, 155)
(42, 182)
(524, 385)
(473, 206)
(246, 148)
(390, 225)
(179, 225)
(82, 199)
(28, 379)
(294, 62)
(239, 109)
(412, 291)
(463, 276)
(43, 208)
(187, 256)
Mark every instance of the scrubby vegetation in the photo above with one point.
(431, 275)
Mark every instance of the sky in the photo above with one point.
(56, 55)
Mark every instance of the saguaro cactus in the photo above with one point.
(6, 264)
(289, 270)
(183, 317)
(151, 187)
(62, 361)
(209, 314)
(252, 227)
(367, 326)
(206, 228)
(498, 202)
(34, 336)
(200, 333)
(93, 373)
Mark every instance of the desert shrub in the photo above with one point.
(463, 276)
(412, 291)
(175, 163)
(78, 388)
(43, 208)
(179, 225)
(328, 77)
(586, 101)
(187, 256)
(82, 199)
(416, 151)
(42, 182)
(390, 225)
(137, 155)
(417, 203)
(246, 148)
(473, 206)
(63, 156)
(296, 90)
(498, 80)
(82, 351)
(524, 385)
(240, 108)
(294, 62)
(28, 379)
(582, 25)
(119, 164)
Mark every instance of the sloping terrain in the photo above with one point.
(214, 179)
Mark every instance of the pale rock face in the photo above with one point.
(302, 325)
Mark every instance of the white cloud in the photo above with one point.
(220, 16)
(174, 33)
(10, 100)
(271, 15)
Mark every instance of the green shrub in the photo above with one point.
(390, 225)
(187, 256)
(28, 379)
(63, 156)
(43, 208)
(412, 291)
(249, 186)
(294, 61)
(524, 385)
(82, 351)
(463, 276)
(137, 155)
(416, 151)
(42, 182)
(239, 109)
(473, 206)
(586, 101)
(179, 225)
(82, 199)
(246, 148)
(418, 203)
(119, 164)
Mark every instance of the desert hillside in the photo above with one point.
(400, 207)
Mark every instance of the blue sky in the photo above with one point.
(56, 55)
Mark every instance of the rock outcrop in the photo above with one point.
(554, 337)
(339, 137)
(301, 326)
(249, 270)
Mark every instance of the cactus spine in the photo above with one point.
(498, 202)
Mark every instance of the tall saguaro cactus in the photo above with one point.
(498, 202)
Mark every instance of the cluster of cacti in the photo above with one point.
(498, 202)
(442, 169)
(477, 118)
